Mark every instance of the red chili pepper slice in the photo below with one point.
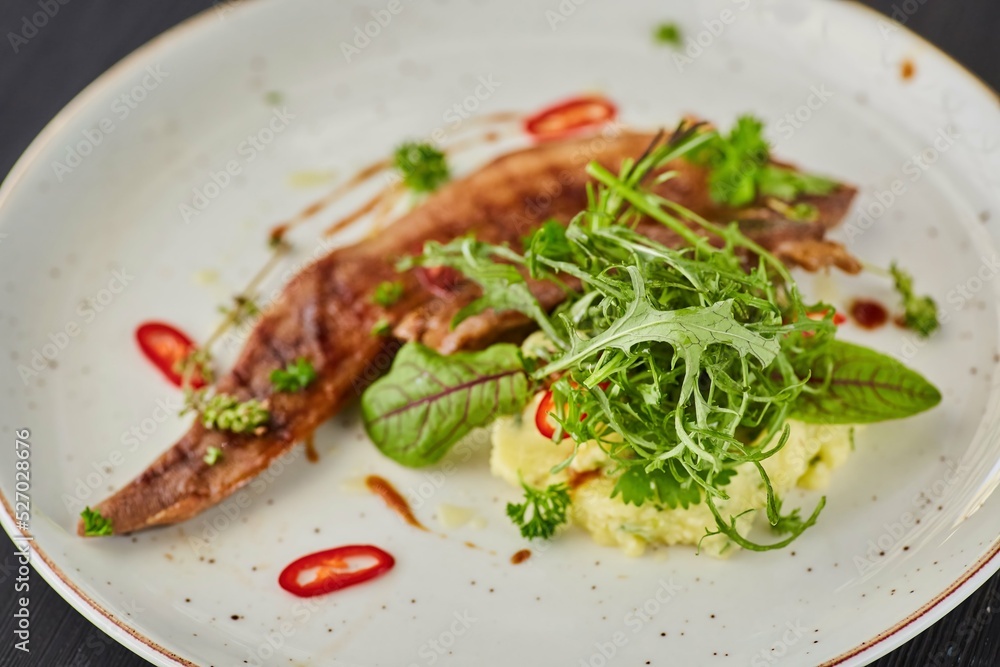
(547, 407)
(543, 421)
(335, 569)
(166, 346)
(838, 318)
(438, 280)
(570, 116)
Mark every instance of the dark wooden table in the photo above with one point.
(83, 39)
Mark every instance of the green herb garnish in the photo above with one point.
(736, 162)
(95, 525)
(212, 456)
(920, 311)
(790, 523)
(423, 167)
(387, 293)
(197, 363)
(382, 328)
(669, 33)
(244, 308)
(801, 212)
(294, 377)
(542, 511)
(741, 170)
(787, 184)
(227, 413)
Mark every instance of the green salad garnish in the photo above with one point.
(94, 524)
(682, 364)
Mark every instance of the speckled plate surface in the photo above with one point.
(94, 238)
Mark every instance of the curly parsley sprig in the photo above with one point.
(742, 171)
(294, 377)
(542, 511)
(422, 166)
(920, 312)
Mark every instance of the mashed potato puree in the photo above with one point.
(806, 460)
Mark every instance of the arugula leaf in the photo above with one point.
(542, 511)
(423, 167)
(294, 377)
(548, 241)
(787, 524)
(689, 330)
(95, 525)
(428, 401)
(503, 286)
(921, 311)
(850, 384)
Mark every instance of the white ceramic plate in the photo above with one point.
(910, 528)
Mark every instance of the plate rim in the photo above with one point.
(124, 633)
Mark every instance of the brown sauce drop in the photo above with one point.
(869, 314)
(578, 479)
(393, 500)
(278, 234)
(907, 69)
(311, 454)
(520, 556)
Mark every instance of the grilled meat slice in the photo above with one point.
(326, 314)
